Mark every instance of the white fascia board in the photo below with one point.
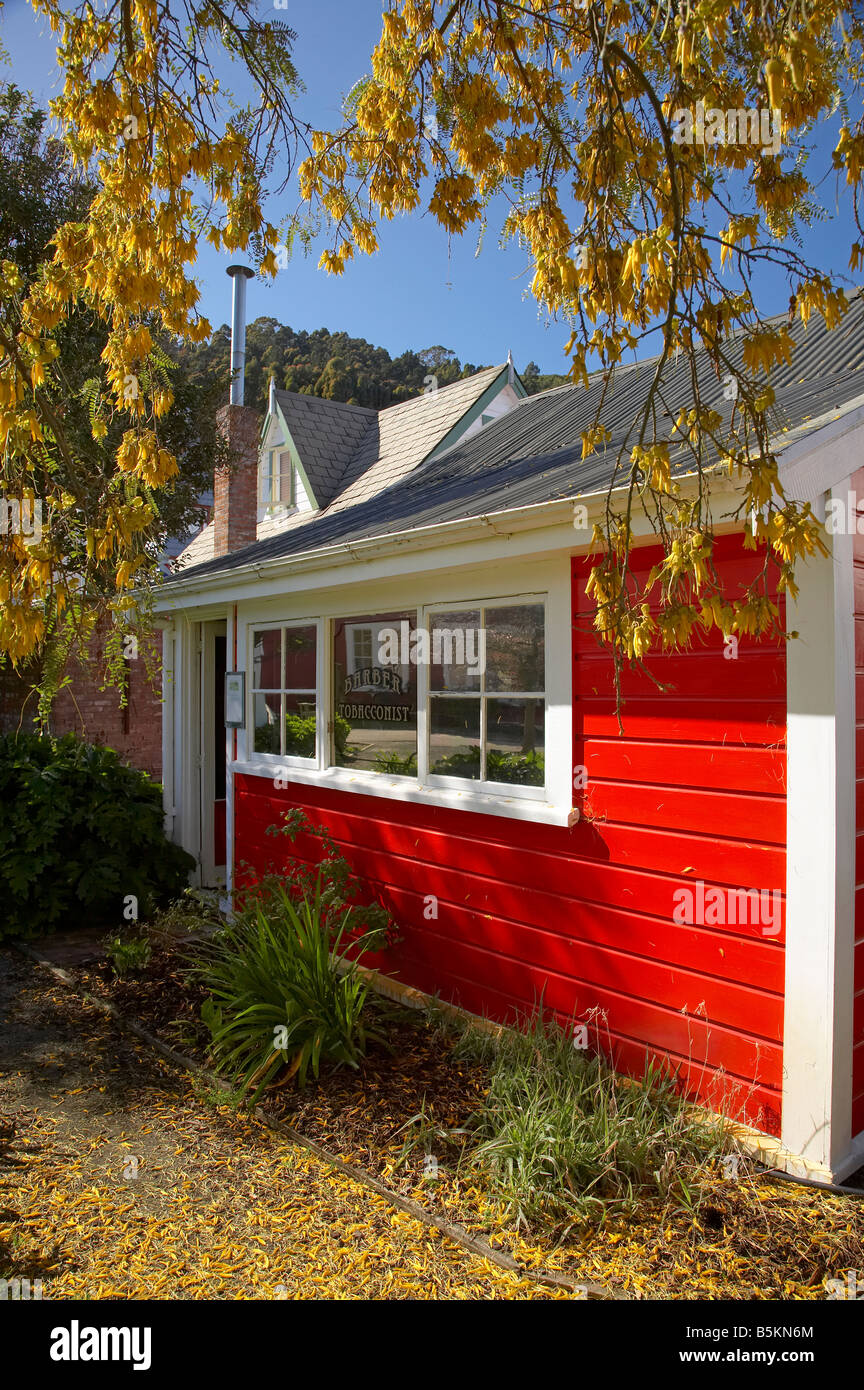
(540, 528)
(811, 465)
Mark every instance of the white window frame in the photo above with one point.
(270, 478)
(423, 615)
(552, 805)
(284, 759)
(483, 786)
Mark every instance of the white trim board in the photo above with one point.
(379, 785)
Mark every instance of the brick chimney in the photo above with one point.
(235, 487)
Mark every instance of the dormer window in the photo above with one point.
(276, 480)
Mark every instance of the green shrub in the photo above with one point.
(396, 764)
(283, 991)
(563, 1136)
(195, 911)
(79, 834)
(514, 769)
(343, 896)
(300, 737)
(288, 960)
(128, 954)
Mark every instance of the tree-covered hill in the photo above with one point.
(332, 365)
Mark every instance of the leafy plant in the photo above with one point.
(195, 910)
(128, 954)
(520, 769)
(284, 991)
(80, 833)
(397, 765)
(327, 871)
(300, 736)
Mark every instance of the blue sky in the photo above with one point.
(421, 288)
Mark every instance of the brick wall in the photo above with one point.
(235, 488)
(95, 714)
(17, 700)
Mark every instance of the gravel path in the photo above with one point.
(120, 1179)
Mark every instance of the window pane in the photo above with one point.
(457, 651)
(286, 477)
(300, 726)
(375, 693)
(266, 714)
(515, 648)
(454, 737)
(300, 658)
(515, 742)
(265, 478)
(267, 660)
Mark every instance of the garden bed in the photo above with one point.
(727, 1234)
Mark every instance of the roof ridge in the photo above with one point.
(325, 401)
(460, 381)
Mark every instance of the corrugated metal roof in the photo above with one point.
(534, 453)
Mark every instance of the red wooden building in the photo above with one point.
(421, 676)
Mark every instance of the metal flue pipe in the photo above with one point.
(239, 274)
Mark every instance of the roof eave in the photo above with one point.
(796, 461)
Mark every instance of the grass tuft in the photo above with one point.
(565, 1139)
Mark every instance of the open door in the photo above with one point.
(212, 758)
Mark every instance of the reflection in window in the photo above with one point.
(284, 681)
(375, 693)
(478, 729)
(276, 479)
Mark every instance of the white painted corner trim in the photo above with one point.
(817, 1041)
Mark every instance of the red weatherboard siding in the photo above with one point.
(857, 483)
(583, 916)
(693, 790)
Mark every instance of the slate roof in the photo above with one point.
(533, 454)
(328, 435)
(406, 434)
(351, 453)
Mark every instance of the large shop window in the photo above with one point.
(284, 683)
(375, 693)
(449, 698)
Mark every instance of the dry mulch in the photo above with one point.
(748, 1238)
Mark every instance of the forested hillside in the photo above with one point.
(334, 366)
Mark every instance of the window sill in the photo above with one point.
(408, 790)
